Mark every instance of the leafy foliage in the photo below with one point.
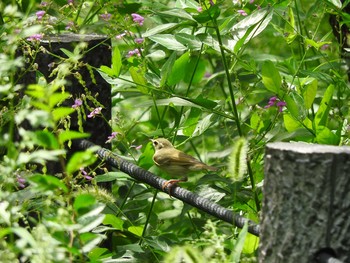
(218, 78)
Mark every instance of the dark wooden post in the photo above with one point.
(99, 53)
(306, 204)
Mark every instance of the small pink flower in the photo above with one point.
(242, 12)
(95, 112)
(21, 181)
(70, 2)
(112, 136)
(138, 19)
(85, 174)
(106, 16)
(138, 40)
(35, 37)
(199, 9)
(251, 1)
(40, 14)
(43, 4)
(69, 25)
(77, 103)
(280, 105)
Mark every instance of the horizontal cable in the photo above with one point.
(182, 194)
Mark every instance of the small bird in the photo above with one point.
(175, 162)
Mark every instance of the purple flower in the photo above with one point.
(106, 16)
(138, 19)
(207, 75)
(137, 147)
(77, 103)
(69, 25)
(120, 36)
(251, 1)
(70, 2)
(135, 52)
(139, 40)
(40, 14)
(325, 46)
(35, 37)
(112, 136)
(211, 2)
(274, 101)
(95, 112)
(21, 181)
(43, 4)
(280, 105)
(199, 9)
(242, 12)
(85, 174)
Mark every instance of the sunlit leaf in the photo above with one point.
(169, 41)
(47, 182)
(159, 29)
(136, 230)
(79, 160)
(114, 221)
(325, 106)
(271, 77)
(61, 112)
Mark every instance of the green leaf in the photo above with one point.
(239, 244)
(256, 123)
(167, 69)
(250, 27)
(207, 15)
(189, 41)
(36, 91)
(290, 123)
(99, 253)
(48, 182)
(83, 203)
(176, 12)
(57, 98)
(145, 160)
(107, 70)
(169, 41)
(61, 112)
(325, 106)
(136, 230)
(46, 139)
(290, 30)
(317, 45)
(325, 136)
(295, 105)
(114, 221)
(67, 135)
(271, 77)
(178, 71)
(79, 160)
(116, 61)
(336, 3)
(309, 92)
(159, 29)
(191, 121)
(139, 79)
(191, 66)
(108, 177)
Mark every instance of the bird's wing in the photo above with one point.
(176, 158)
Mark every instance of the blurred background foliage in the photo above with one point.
(220, 79)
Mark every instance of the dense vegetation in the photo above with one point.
(220, 79)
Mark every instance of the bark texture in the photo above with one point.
(306, 204)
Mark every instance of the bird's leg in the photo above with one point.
(171, 183)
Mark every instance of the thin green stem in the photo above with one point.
(228, 76)
(148, 218)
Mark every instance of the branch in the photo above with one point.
(182, 194)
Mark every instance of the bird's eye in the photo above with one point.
(155, 143)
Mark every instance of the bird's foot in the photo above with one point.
(170, 184)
